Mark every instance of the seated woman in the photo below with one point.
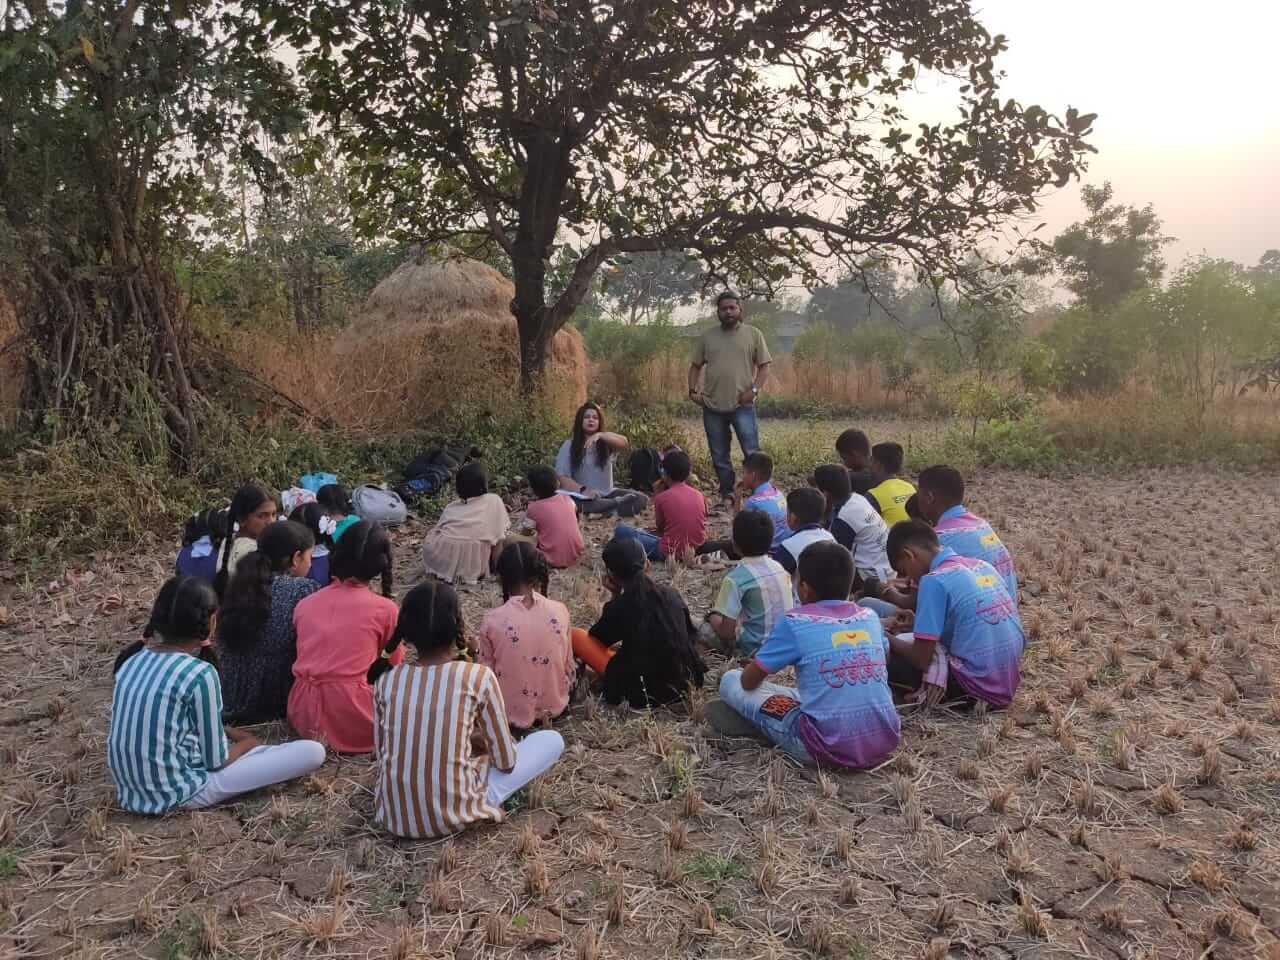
(585, 466)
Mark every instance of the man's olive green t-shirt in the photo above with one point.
(729, 359)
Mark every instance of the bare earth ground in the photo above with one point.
(1126, 806)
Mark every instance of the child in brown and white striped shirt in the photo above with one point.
(446, 758)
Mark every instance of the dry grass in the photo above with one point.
(432, 336)
(983, 833)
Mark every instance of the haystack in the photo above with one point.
(438, 333)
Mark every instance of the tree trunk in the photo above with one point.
(545, 176)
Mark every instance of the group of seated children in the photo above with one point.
(266, 641)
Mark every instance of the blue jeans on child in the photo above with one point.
(749, 703)
(720, 441)
(881, 608)
(652, 547)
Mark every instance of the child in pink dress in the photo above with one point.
(525, 642)
(341, 630)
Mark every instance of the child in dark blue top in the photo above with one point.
(202, 535)
(314, 518)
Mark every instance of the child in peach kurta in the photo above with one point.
(526, 640)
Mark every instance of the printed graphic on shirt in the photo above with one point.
(778, 706)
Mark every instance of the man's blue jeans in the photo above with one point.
(652, 547)
(720, 441)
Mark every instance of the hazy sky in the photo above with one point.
(1187, 102)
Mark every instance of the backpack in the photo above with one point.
(314, 481)
(431, 470)
(645, 468)
(379, 505)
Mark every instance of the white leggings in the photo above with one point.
(535, 755)
(260, 767)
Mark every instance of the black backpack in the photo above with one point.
(431, 470)
(645, 467)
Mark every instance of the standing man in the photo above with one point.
(736, 362)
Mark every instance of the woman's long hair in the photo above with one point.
(578, 442)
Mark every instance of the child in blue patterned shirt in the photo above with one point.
(841, 713)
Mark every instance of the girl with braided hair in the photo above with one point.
(167, 747)
(340, 630)
(446, 758)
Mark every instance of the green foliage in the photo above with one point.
(109, 112)
(542, 123)
(8, 863)
(1112, 254)
(181, 939)
(1091, 352)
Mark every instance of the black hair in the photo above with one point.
(853, 441)
(753, 532)
(727, 295)
(470, 481)
(183, 611)
(676, 465)
(889, 456)
(243, 503)
(807, 505)
(578, 441)
(430, 618)
(912, 507)
(333, 498)
(520, 562)
(624, 558)
(654, 615)
(827, 568)
(207, 523)
(543, 481)
(946, 482)
(362, 553)
(246, 606)
(309, 515)
(759, 463)
(833, 480)
(910, 533)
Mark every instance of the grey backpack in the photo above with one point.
(379, 505)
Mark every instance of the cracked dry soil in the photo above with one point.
(1126, 806)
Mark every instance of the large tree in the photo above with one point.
(1112, 253)
(107, 112)
(762, 136)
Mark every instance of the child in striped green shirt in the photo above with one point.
(167, 747)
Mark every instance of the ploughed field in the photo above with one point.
(1127, 805)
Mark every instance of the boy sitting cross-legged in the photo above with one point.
(805, 509)
(755, 492)
(841, 713)
(964, 610)
(679, 512)
(753, 595)
(940, 500)
(891, 492)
